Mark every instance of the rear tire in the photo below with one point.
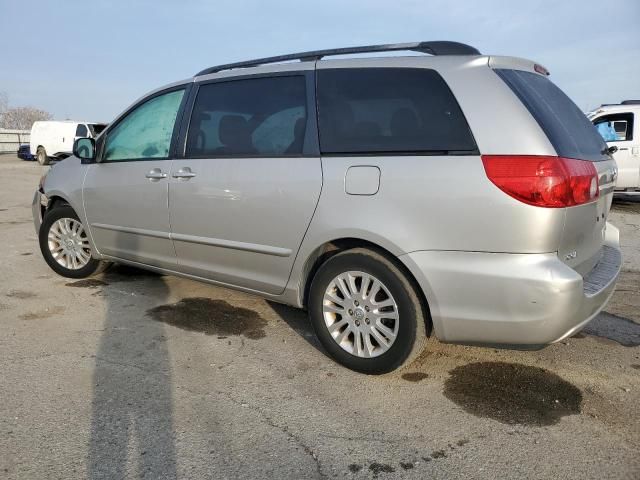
(41, 156)
(366, 313)
(65, 245)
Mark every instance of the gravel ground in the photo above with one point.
(132, 374)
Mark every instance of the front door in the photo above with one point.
(617, 129)
(242, 198)
(126, 192)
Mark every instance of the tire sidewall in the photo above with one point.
(49, 219)
(397, 286)
(41, 156)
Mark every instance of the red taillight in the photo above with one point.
(543, 181)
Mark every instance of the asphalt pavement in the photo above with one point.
(136, 375)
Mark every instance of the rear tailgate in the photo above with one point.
(585, 225)
(572, 136)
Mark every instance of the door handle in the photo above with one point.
(184, 172)
(156, 174)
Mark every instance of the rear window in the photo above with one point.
(566, 126)
(389, 110)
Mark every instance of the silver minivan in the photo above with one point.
(455, 195)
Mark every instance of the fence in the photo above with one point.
(10, 140)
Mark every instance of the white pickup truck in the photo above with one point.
(619, 125)
(54, 139)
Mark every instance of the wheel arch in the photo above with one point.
(56, 200)
(332, 247)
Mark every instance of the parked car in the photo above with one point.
(24, 152)
(457, 195)
(619, 125)
(53, 140)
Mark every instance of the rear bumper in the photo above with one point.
(512, 299)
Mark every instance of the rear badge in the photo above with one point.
(571, 255)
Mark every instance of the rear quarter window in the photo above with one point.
(566, 126)
(389, 111)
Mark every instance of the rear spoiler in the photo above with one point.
(516, 63)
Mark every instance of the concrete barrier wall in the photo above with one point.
(10, 140)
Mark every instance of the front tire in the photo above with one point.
(366, 313)
(64, 244)
(41, 156)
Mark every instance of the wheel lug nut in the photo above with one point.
(366, 321)
(366, 308)
(350, 312)
(356, 303)
(357, 323)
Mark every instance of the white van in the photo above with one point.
(619, 125)
(53, 140)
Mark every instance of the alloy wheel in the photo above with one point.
(360, 314)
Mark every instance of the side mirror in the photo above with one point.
(85, 149)
(611, 150)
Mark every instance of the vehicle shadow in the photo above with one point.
(621, 330)
(299, 322)
(132, 430)
(624, 203)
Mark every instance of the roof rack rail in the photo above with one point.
(433, 48)
(630, 102)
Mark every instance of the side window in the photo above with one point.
(81, 130)
(250, 117)
(616, 127)
(146, 131)
(394, 110)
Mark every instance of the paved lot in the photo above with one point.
(137, 375)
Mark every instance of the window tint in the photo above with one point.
(379, 110)
(616, 127)
(568, 129)
(81, 130)
(251, 117)
(146, 131)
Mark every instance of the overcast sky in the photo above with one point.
(89, 59)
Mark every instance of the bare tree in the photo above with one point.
(4, 102)
(22, 118)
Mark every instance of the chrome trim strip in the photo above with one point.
(607, 190)
(135, 231)
(214, 242)
(219, 242)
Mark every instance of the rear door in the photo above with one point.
(242, 197)
(617, 129)
(572, 136)
(126, 193)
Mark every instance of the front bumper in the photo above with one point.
(512, 299)
(38, 206)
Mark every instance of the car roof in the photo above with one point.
(614, 108)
